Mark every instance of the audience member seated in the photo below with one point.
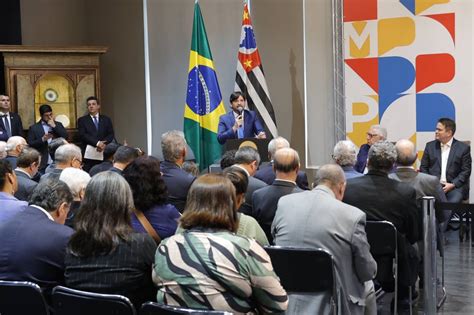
(382, 198)
(318, 219)
(344, 154)
(228, 159)
(375, 133)
(266, 173)
(77, 181)
(248, 159)
(210, 267)
(424, 184)
(107, 164)
(3, 150)
(150, 197)
(122, 157)
(15, 145)
(27, 167)
(67, 155)
(9, 205)
(34, 240)
(191, 168)
(286, 164)
(52, 147)
(104, 255)
(173, 146)
(248, 226)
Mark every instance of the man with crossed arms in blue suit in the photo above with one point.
(239, 123)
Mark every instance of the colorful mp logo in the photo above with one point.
(389, 74)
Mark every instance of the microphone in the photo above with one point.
(240, 109)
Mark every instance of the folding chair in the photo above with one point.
(22, 297)
(382, 237)
(151, 308)
(305, 271)
(68, 301)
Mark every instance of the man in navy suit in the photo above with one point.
(34, 241)
(375, 133)
(266, 173)
(173, 146)
(10, 123)
(450, 161)
(239, 123)
(94, 130)
(41, 134)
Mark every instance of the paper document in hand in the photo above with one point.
(92, 153)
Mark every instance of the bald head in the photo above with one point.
(286, 160)
(406, 152)
(332, 176)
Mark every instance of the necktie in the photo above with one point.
(6, 122)
(96, 123)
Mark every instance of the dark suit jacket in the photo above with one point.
(424, 184)
(102, 167)
(25, 186)
(89, 135)
(178, 182)
(265, 201)
(362, 158)
(265, 173)
(15, 125)
(382, 198)
(458, 168)
(252, 126)
(33, 248)
(35, 135)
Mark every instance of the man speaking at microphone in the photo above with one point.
(240, 122)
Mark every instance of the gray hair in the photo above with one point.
(246, 155)
(67, 152)
(330, 175)
(172, 145)
(3, 149)
(108, 190)
(345, 153)
(276, 144)
(381, 131)
(14, 141)
(50, 194)
(406, 152)
(76, 180)
(382, 155)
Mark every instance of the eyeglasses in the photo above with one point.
(371, 135)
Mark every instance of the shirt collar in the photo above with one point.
(448, 144)
(285, 180)
(96, 115)
(22, 171)
(44, 211)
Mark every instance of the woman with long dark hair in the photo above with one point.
(208, 266)
(150, 196)
(104, 254)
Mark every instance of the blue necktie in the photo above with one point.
(96, 123)
(6, 122)
(240, 132)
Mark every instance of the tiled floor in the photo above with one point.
(459, 280)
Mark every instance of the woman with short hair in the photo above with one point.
(209, 266)
(104, 255)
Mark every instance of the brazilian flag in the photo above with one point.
(204, 103)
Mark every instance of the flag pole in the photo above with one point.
(248, 5)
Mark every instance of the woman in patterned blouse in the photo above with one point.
(209, 266)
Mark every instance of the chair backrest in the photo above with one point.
(68, 301)
(382, 238)
(303, 270)
(151, 308)
(21, 297)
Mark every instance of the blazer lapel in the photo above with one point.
(451, 154)
(438, 154)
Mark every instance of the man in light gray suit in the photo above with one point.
(28, 164)
(319, 219)
(424, 184)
